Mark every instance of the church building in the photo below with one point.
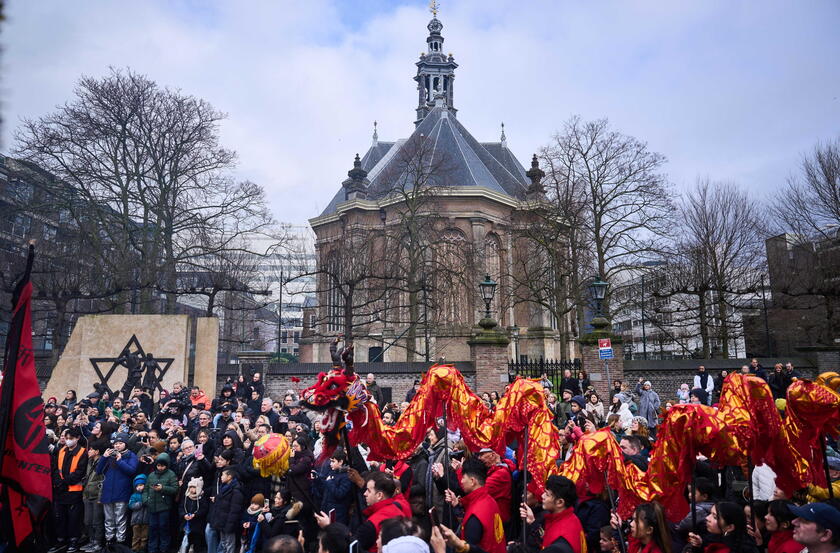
(413, 230)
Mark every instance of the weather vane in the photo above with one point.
(433, 7)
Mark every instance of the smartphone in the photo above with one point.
(332, 515)
(434, 516)
(354, 547)
(266, 503)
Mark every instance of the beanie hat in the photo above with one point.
(647, 383)
(162, 459)
(406, 544)
(139, 479)
(641, 420)
(198, 484)
(580, 401)
(121, 437)
(258, 499)
(227, 455)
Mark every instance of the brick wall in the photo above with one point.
(594, 366)
(490, 362)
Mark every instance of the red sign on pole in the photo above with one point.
(604, 343)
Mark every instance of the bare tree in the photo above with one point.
(627, 201)
(142, 165)
(715, 262)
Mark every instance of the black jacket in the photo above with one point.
(300, 467)
(227, 508)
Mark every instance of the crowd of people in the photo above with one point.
(178, 474)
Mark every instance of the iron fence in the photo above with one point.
(552, 369)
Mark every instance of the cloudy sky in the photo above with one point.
(731, 90)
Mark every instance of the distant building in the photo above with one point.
(803, 306)
(655, 326)
(482, 196)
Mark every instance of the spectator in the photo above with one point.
(726, 525)
(778, 382)
(227, 395)
(757, 370)
(139, 515)
(779, 524)
(375, 390)
(698, 396)
(226, 510)
(648, 402)
(564, 408)
(631, 447)
(70, 399)
(301, 463)
(704, 381)
(571, 383)
(704, 492)
(381, 505)
(683, 394)
(790, 372)
(94, 514)
(159, 496)
(648, 530)
(335, 489)
(595, 408)
(409, 395)
(616, 389)
(256, 384)
(119, 466)
(68, 503)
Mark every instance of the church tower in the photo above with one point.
(435, 71)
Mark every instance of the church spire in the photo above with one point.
(503, 138)
(435, 70)
(375, 136)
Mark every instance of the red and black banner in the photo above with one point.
(25, 473)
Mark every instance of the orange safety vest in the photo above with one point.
(74, 464)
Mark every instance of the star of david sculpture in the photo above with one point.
(143, 369)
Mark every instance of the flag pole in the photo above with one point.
(613, 509)
(823, 440)
(446, 460)
(525, 486)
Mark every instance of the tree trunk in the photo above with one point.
(704, 323)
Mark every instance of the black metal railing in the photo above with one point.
(536, 368)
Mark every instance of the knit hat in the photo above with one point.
(162, 459)
(258, 499)
(198, 484)
(580, 401)
(641, 420)
(647, 383)
(700, 394)
(139, 479)
(121, 437)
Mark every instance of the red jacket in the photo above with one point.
(564, 524)
(782, 541)
(478, 503)
(635, 546)
(382, 511)
(499, 487)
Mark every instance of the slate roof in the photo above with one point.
(463, 161)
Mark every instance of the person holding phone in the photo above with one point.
(159, 498)
(335, 488)
(380, 489)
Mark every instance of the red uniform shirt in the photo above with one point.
(382, 511)
(480, 504)
(498, 484)
(564, 524)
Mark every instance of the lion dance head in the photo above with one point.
(335, 393)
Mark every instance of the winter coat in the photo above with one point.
(199, 507)
(163, 499)
(227, 508)
(93, 483)
(284, 520)
(223, 398)
(300, 467)
(593, 514)
(649, 405)
(625, 417)
(597, 411)
(117, 486)
(710, 382)
(336, 492)
(139, 512)
(188, 468)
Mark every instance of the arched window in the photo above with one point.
(493, 267)
(453, 296)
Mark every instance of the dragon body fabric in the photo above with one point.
(746, 425)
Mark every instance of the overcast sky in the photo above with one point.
(732, 90)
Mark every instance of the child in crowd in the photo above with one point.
(139, 515)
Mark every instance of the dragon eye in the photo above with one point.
(332, 386)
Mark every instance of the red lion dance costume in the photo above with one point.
(746, 421)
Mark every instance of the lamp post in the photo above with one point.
(514, 333)
(598, 291)
(488, 290)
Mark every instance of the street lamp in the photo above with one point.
(488, 290)
(598, 290)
